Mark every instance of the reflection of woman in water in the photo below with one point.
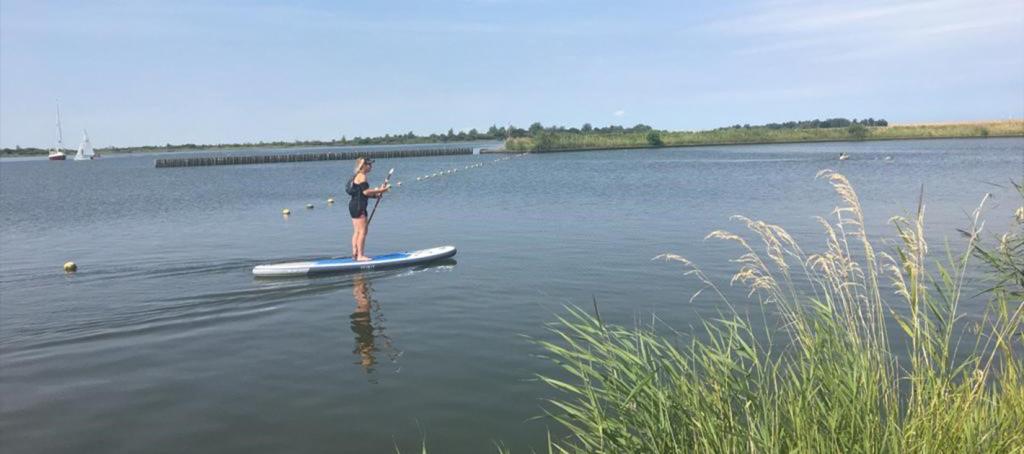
(362, 324)
(368, 324)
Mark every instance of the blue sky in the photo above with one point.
(149, 72)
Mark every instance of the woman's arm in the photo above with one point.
(376, 192)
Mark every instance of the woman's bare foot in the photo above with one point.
(363, 258)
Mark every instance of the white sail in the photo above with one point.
(57, 152)
(85, 151)
(60, 136)
(88, 147)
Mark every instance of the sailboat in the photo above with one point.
(56, 154)
(85, 151)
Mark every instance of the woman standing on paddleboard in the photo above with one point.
(360, 191)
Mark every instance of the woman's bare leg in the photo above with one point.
(361, 241)
(355, 237)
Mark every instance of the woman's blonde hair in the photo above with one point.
(360, 162)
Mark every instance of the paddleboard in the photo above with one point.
(344, 264)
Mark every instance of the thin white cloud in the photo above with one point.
(814, 17)
(923, 39)
(870, 29)
(619, 113)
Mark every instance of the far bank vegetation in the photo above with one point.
(538, 137)
(831, 130)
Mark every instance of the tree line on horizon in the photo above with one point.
(501, 133)
(495, 132)
(838, 122)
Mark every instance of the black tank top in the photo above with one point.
(356, 191)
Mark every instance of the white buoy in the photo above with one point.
(309, 206)
(70, 267)
(331, 200)
(286, 212)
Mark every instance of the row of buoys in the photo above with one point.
(471, 166)
(846, 156)
(286, 212)
(446, 172)
(309, 206)
(71, 267)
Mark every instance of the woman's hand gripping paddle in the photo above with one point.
(381, 196)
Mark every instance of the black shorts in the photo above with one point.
(357, 210)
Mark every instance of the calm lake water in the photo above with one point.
(164, 342)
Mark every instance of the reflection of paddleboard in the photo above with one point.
(339, 265)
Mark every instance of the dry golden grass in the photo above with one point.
(1002, 128)
(1018, 121)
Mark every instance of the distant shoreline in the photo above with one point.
(30, 152)
(638, 147)
(547, 141)
(795, 142)
(761, 135)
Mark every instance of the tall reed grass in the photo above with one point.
(873, 356)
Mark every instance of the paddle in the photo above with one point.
(377, 203)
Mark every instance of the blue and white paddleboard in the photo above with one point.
(339, 265)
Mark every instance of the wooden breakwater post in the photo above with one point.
(304, 157)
